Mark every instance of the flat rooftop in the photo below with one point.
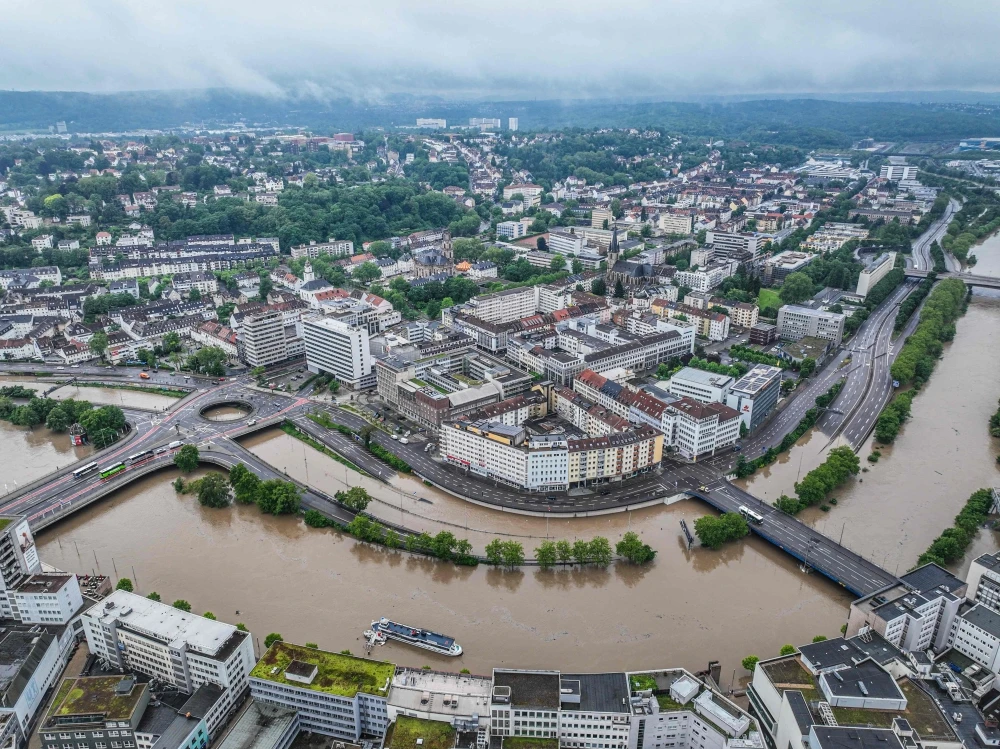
(830, 737)
(163, 622)
(707, 379)
(470, 694)
(343, 675)
(599, 693)
(417, 733)
(100, 695)
(261, 726)
(45, 583)
(538, 689)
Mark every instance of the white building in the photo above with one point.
(511, 229)
(875, 271)
(505, 306)
(334, 247)
(512, 124)
(565, 243)
(795, 322)
(755, 394)
(338, 348)
(700, 385)
(129, 631)
(18, 546)
(48, 598)
(702, 428)
(261, 339)
(703, 279)
(334, 695)
(733, 245)
(898, 172)
(432, 122)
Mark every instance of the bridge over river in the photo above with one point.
(59, 495)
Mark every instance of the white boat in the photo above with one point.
(417, 637)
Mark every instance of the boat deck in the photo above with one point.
(433, 638)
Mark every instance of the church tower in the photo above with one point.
(307, 273)
(613, 250)
(446, 246)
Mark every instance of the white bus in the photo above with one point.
(751, 516)
(79, 473)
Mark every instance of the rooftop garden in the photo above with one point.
(343, 675)
(405, 732)
(789, 673)
(529, 742)
(921, 712)
(4, 522)
(95, 695)
(669, 704)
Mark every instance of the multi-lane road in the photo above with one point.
(920, 254)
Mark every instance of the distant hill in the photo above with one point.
(807, 122)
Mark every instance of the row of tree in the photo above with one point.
(840, 464)
(937, 325)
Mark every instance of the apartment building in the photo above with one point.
(333, 694)
(778, 267)
(94, 712)
(532, 194)
(898, 172)
(676, 222)
(261, 338)
(699, 385)
(643, 354)
(338, 348)
(702, 279)
(128, 631)
(511, 229)
(48, 598)
(877, 269)
(32, 661)
(505, 306)
(566, 243)
(796, 321)
(333, 247)
(755, 395)
(594, 419)
(736, 245)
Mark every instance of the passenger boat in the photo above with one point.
(420, 638)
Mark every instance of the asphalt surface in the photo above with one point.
(920, 254)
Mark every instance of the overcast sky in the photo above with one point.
(513, 48)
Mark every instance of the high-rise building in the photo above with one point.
(898, 172)
(512, 124)
(261, 339)
(130, 632)
(339, 348)
(795, 322)
(755, 394)
(18, 560)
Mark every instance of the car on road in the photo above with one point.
(60, 368)
(395, 436)
(75, 366)
(143, 375)
(703, 488)
(403, 441)
(251, 422)
(605, 492)
(551, 498)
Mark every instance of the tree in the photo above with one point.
(633, 549)
(242, 627)
(186, 458)
(713, 532)
(366, 272)
(750, 662)
(272, 638)
(195, 294)
(541, 244)
(564, 550)
(245, 484)
(356, 498)
(557, 263)
(266, 286)
(599, 287)
(58, 420)
(210, 615)
(154, 596)
(181, 604)
(366, 433)
(619, 289)
(512, 554)
(443, 545)
(125, 584)
(600, 551)
(209, 360)
(807, 367)
(797, 288)
(213, 491)
(581, 551)
(577, 266)
(819, 638)
(171, 342)
(787, 649)
(98, 343)
(494, 551)
(279, 497)
(313, 645)
(546, 554)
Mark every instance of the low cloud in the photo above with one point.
(516, 49)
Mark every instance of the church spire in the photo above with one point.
(613, 250)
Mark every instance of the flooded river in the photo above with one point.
(101, 396)
(688, 607)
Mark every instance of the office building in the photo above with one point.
(755, 395)
(30, 664)
(432, 122)
(131, 632)
(777, 268)
(703, 279)
(338, 348)
(795, 322)
(48, 598)
(763, 334)
(511, 229)
(334, 695)
(702, 428)
(737, 246)
(898, 172)
(18, 560)
(485, 122)
(260, 340)
(565, 242)
(97, 710)
(984, 581)
(512, 124)
(702, 386)
(875, 271)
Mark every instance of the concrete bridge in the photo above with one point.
(970, 279)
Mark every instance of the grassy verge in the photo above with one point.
(137, 388)
(292, 431)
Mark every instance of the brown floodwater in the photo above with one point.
(688, 607)
(99, 395)
(893, 510)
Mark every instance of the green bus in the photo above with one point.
(112, 470)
